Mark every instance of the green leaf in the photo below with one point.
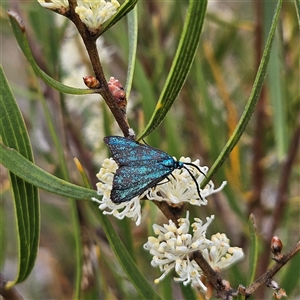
(20, 35)
(16, 163)
(251, 103)
(276, 90)
(133, 272)
(253, 250)
(26, 200)
(297, 4)
(125, 8)
(28, 171)
(181, 65)
(133, 36)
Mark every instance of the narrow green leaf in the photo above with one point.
(16, 163)
(42, 23)
(166, 286)
(133, 36)
(26, 200)
(253, 250)
(73, 204)
(181, 65)
(250, 106)
(125, 8)
(28, 171)
(276, 89)
(20, 35)
(133, 272)
(297, 4)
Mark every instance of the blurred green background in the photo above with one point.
(198, 125)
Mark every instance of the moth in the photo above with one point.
(140, 167)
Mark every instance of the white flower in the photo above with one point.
(181, 186)
(94, 13)
(130, 209)
(172, 248)
(221, 255)
(61, 5)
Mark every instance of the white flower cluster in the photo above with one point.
(221, 255)
(92, 13)
(173, 246)
(180, 188)
(130, 209)
(62, 6)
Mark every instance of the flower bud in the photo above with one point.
(118, 92)
(276, 247)
(91, 82)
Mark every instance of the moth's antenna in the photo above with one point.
(198, 190)
(195, 166)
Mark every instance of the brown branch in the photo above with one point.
(225, 292)
(90, 44)
(272, 271)
(260, 117)
(171, 212)
(213, 277)
(281, 197)
(8, 294)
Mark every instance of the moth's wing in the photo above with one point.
(120, 147)
(131, 181)
(127, 152)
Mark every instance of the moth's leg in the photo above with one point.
(167, 179)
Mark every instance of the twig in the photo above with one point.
(281, 198)
(171, 212)
(225, 292)
(213, 277)
(272, 271)
(8, 294)
(257, 146)
(90, 44)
